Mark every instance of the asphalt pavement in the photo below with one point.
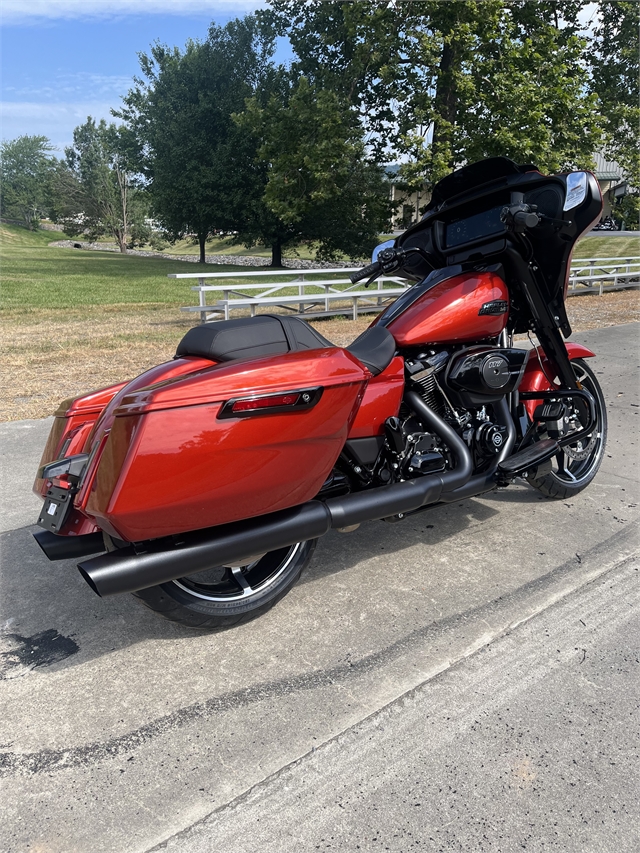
(464, 680)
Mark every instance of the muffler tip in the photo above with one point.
(88, 579)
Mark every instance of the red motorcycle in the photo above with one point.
(204, 484)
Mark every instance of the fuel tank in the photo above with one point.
(468, 307)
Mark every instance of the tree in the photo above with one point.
(443, 83)
(199, 165)
(320, 188)
(25, 163)
(94, 190)
(616, 75)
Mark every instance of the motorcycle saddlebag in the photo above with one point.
(231, 441)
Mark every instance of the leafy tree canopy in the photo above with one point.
(25, 163)
(320, 187)
(93, 191)
(616, 80)
(198, 163)
(443, 83)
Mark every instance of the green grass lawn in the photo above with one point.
(611, 246)
(35, 275)
(221, 246)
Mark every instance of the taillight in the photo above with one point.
(290, 401)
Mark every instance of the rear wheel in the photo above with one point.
(575, 466)
(224, 596)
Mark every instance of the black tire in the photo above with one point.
(576, 465)
(224, 596)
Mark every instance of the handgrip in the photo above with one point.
(526, 219)
(366, 272)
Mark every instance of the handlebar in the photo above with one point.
(388, 261)
(519, 216)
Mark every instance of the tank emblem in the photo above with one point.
(498, 306)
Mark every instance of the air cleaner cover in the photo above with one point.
(483, 374)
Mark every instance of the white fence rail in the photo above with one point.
(303, 293)
(596, 275)
(310, 293)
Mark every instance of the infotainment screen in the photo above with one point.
(484, 224)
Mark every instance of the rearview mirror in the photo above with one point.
(380, 248)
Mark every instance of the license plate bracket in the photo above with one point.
(56, 508)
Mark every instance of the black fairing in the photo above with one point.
(462, 224)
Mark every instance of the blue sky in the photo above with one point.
(63, 60)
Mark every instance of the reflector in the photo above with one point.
(265, 402)
(296, 400)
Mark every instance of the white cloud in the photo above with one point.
(27, 11)
(56, 121)
(80, 85)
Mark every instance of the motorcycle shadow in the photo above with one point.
(50, 619)
(431, 527)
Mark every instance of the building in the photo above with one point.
(612, 182)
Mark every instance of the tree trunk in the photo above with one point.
(446, 99)
(202, 239)
(276, 253)
(123, 184)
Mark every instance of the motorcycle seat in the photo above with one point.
(375, 348)
(273, 334)
(250, 337)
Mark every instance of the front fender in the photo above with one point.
(539, 374)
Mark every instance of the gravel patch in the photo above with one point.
(239, 260)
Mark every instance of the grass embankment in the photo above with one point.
(76, 320)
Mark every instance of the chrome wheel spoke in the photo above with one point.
(583, 375)
(241, 580)
(563, 463)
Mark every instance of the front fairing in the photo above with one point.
(451, 230)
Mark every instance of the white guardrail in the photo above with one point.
(309, 293)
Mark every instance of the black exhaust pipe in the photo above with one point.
(69, 547)
(486, 481)
(127, 569)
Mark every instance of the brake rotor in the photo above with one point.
(578, 452)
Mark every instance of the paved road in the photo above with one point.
(441, 661)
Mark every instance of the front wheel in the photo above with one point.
(224, 596)
(575, 465)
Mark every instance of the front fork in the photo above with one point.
(545, 323)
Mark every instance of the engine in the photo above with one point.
(460, 387)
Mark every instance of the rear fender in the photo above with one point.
(539, 374)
